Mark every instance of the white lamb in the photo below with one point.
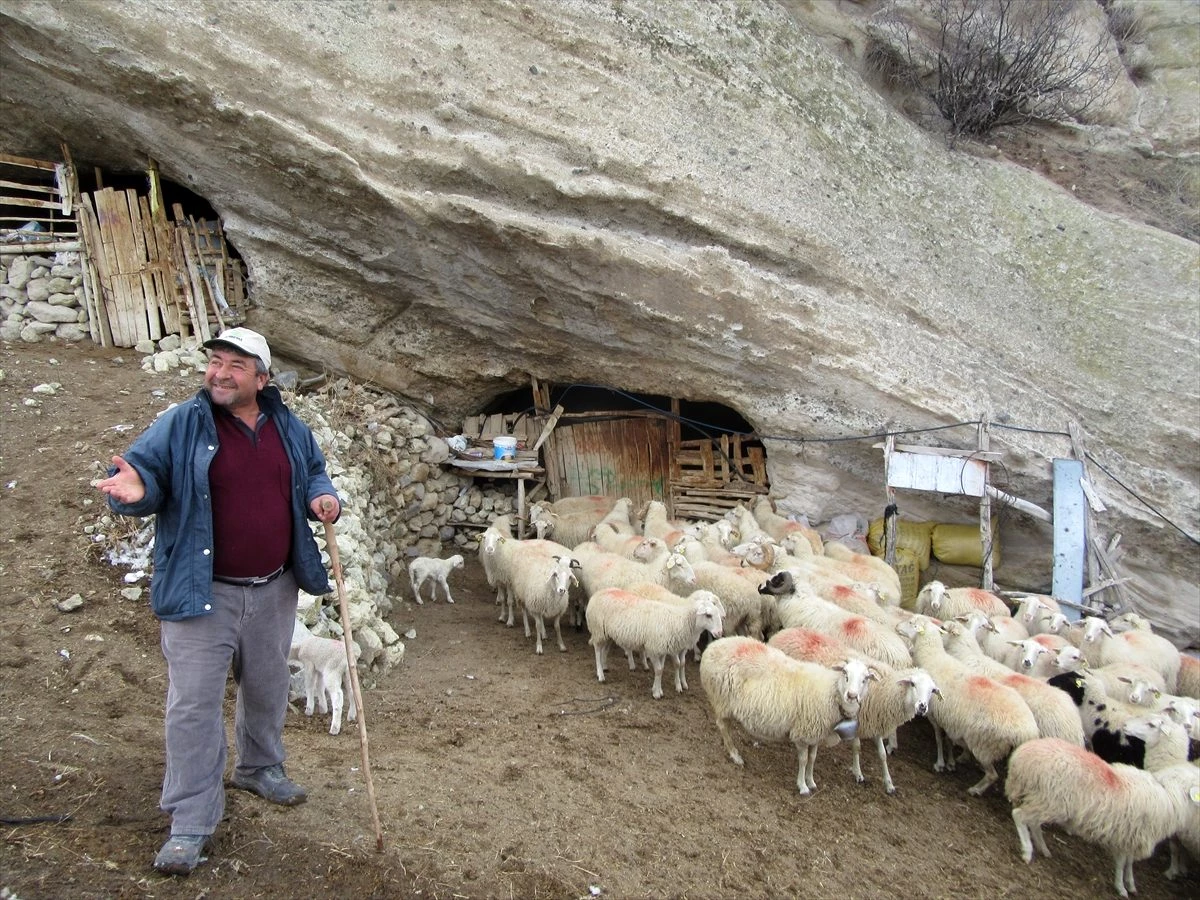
(986, 717)
(426, 568)
(1124, 809)
(776, 698)
(326, 674)
(658, 630)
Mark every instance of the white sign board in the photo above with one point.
(943, 474)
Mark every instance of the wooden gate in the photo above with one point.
(623, 454)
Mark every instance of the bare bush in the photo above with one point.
(990, 63)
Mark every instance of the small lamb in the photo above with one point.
(323, 663)
(424, 568)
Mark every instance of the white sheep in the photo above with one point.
(988, 718)
(569, 520)
(540, 577)
(491, 556)
(426, 568)
(866, 569)
(739, 595)
(940, 602)
(1101, 646)
(600, 569)
(899, 696)
(796, 608)
(620, 517)
(658, 630)
(1035, 611)
(326, 674)
(1124, 809)
(1131, 683)
(779, 527)
(776, 698)
(1189, 676)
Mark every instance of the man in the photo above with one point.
(232, 476)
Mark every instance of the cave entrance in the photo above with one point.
(153, 255)
(699, 458)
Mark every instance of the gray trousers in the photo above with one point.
(250, 630)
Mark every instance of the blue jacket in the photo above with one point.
(172, 456)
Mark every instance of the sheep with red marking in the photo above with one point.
(776, 698)
(940, 602)
(780, 527)
(897, 697)
(1123, 809)
(799, 608)
(1101, 646)
(1189, 676)
(1054, 712)
(986, 717)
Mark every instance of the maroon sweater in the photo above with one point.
(250, 480)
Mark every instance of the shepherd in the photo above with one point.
(232, 476)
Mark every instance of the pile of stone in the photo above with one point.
(399, 501)
(42, 295)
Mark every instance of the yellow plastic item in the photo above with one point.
(908, 567)
(913, 536)
(961, 545)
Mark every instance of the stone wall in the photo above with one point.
(42, 295)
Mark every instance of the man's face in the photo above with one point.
(232, 379)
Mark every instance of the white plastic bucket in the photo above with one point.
(504, 447)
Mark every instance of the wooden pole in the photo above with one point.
(889, 513)
(986, 538)
(347, 638)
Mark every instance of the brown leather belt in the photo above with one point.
(252, 582)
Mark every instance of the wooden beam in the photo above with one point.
(547, 428)
(26, 162)
(40, 247)
(987, 539)
(1017, 503)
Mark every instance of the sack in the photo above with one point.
(908, 567)
(962, 545)
(912, 536)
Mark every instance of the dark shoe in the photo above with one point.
(272, 784)
(181, 853)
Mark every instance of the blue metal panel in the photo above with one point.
(1070, 532)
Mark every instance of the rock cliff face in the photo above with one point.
(700, 200)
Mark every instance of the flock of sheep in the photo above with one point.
(802, 641)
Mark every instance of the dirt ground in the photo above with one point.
(497, 773)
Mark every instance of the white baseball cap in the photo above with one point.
(244, 341)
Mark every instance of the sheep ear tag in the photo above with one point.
(1194, 794)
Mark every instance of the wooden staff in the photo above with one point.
(335, 560)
